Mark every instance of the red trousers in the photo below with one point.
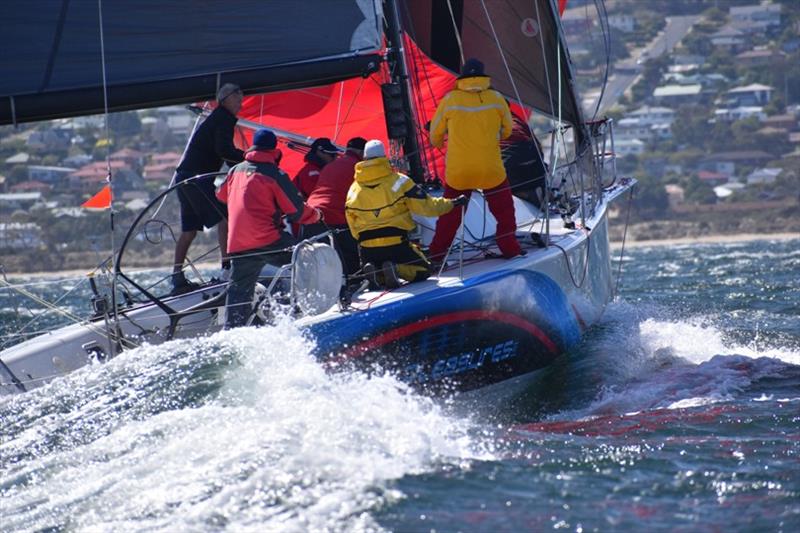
(501, 205)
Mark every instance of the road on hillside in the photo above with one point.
(627, 71)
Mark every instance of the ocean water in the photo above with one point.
(680, 411)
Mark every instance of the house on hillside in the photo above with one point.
(20, 158)
(713, 178)
(31, 186)
(77, 160)
(754, 94)
(726, 162)
(48, 174)
(49, 140)
(730, 39)
(763, 176)
(622, 22)
(132, 158)
(740, 113)
(90, 178)
(625, 147)
(756, 18)
(161, 167)
(677, 95)
(762, 57)
(11, 201)
(787, 121)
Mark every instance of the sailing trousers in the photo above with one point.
(501, 205)
(410, 261)
(247, 266)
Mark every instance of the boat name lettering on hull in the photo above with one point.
(463, 362)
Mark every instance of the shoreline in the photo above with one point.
(706, 239)
(615, 245)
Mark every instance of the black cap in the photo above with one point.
(357, 143)
(472, 67)
(323, 144)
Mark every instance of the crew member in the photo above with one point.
(329, 197)
(378, 209)
(258, 194)
(522, 159)
(210, 146)
(474, 118)
(321, 152)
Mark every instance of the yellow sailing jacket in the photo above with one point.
(381, 198)
(474, 118)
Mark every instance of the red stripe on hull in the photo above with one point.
(461, 316)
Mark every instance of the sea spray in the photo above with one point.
(243, 429)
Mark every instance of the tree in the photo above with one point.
(651, 197)
(698, 192)
(18, 174)
(690, 126)
(126, 123)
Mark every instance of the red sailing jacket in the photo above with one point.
(306, 179)
(331, 192)
(258, 194)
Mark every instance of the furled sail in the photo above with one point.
(57, 56)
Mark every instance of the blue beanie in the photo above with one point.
(472, 67)
(264, 138)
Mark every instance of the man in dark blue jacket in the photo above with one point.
(210, 146)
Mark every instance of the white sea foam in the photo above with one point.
(661, 363)
(281, 445)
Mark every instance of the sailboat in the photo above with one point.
(368, 68)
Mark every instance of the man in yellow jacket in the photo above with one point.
(378, 211)
(474, 118)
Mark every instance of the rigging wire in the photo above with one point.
(112, 345)
(602, 15)
(624, 235)
(455, 31)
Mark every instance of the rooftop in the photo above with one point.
(678, 90)
(751, 88)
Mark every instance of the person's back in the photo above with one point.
(378, 210)
(522, 158)
(334, 181)
(329, 197)
(381, 198)
(474, 117)
(258, 194)
(211, 145)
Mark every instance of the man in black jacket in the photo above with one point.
(210, 146)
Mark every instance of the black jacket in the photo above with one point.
(212, 144)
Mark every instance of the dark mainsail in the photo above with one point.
(159, 53)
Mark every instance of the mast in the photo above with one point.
(401, 82)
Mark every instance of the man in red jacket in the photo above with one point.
(321, 152)
(329, 197)
(258, 194)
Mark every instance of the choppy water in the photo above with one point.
(680, 411)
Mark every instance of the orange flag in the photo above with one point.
(101, 200)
